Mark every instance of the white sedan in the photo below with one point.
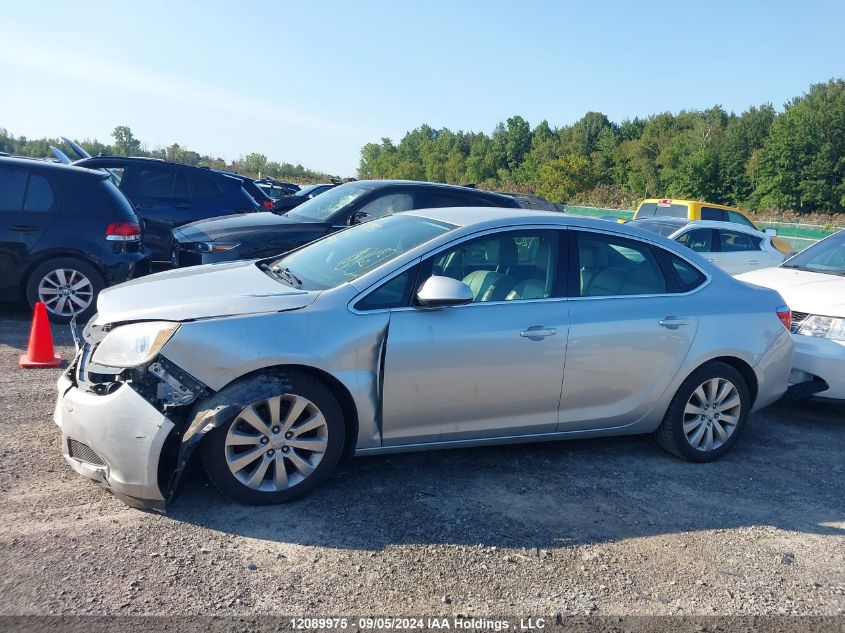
(813, 285)
(735, 248)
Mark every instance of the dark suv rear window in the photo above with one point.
(39, 194)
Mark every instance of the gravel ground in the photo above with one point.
(609, 527)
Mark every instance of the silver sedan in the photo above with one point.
(428, 329)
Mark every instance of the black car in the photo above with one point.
(167, 195)
(286, 203)
(65, 234)
(264, 234)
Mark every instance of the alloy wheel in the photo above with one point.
(712, 414)
(276, 443)
(65, 292)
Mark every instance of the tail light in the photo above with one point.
(268, 204)
(785, 316)
(123, 231)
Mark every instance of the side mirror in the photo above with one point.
(358, 217)
(771, 232)
(440, 292)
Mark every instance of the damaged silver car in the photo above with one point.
(428, 329)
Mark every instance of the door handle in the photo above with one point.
(182, 205)
(23, 229)
(538, 332)
(673, 322)
(754, 261)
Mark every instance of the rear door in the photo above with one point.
(29, 204)
(630, 329)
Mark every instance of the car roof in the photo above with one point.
(422, 183)
(701, 224)
(47, 165)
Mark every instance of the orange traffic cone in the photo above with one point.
(40, 352)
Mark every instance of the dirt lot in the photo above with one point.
(603, 526)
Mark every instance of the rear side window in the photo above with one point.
(12, 189)
(204, 187)
(39, 194)
(734, 241)
(709, 213)
(611, 266)
(662, 210)
(435, 200)
(688, 275)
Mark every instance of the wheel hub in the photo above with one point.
(276, 443)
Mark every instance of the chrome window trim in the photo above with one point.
(551, 226)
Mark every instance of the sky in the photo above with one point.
(312, 82)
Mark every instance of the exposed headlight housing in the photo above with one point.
(823, 327)
(210, 247)
(134, 344)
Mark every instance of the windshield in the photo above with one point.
(321, 208)
(662, 209)
(661, 228)
(827, 256)
(348, 254)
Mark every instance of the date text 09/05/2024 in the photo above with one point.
(410, 623)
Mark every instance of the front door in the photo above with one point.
(492, 368)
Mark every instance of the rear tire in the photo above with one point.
(279, 447)
(707, 415)
(67, 286)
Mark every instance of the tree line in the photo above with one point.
(125, 144)
(760, 159)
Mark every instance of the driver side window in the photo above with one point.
(507, 266)
(387, 205)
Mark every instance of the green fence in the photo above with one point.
(798, 235)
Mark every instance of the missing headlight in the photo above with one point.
(166, 386)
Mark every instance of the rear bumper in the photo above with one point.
(820, 358)
(115, 439)
(127, 266)
(773, 371)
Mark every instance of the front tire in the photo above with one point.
(707, 415)
(279, 447)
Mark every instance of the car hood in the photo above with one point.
(199, 292)
(238, 224)
(803, 291)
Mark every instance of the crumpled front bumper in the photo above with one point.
(114, 439)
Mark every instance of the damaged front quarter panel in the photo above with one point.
(215, 411)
